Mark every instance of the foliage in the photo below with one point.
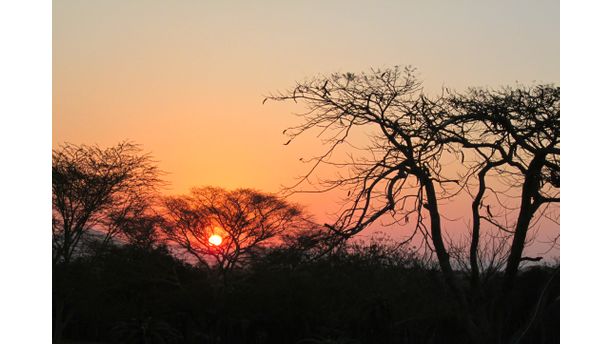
(367, 292)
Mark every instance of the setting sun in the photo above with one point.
(215, 240)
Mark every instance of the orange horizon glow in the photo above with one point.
(186, 79)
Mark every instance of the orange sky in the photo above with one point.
(186, 78)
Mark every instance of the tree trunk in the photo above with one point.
(527, 209)
(477, 335)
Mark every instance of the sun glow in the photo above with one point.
(215, 240)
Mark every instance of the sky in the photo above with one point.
(186, 79)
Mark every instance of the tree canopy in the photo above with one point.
(245, 219)
(95, 190)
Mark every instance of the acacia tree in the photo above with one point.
(95, 190)
(247, 221)
(516, 132)
(400, 171)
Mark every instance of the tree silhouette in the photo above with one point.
(247, 221)
(519, 130)
(142, 227)
(95, 189)
(401, 172)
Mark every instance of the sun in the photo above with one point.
(215, 240)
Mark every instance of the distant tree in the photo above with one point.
(245, 219)
(142, 227)
(96, 190)
(401, 171)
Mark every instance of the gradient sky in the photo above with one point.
(186, 79)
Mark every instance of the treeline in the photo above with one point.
(361, 293)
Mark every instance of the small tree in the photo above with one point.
(95, 190)
(245, 219)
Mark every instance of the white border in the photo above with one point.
(25, 134)
(586, 233)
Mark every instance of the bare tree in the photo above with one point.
(517, 132)
(95, 189)
(245, 219)
(400, 172)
